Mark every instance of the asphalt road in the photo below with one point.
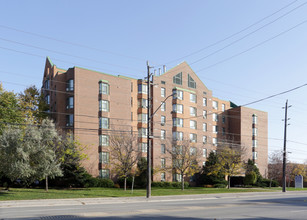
(276, 205)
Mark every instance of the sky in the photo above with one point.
(242, 50)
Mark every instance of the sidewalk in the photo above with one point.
(118, 200)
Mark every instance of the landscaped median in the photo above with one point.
(28, 194)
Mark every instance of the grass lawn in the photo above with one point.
(27, 194)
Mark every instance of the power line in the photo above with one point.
(253, 47)
(232, 43)
(67, 54)
(232, 35)
(69, 42)
(271, 96)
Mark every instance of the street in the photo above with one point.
(275, 205)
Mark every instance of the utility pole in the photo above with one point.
(285, 152)
(148, 192)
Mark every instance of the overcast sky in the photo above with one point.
(242, 50)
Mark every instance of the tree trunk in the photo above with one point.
(132, 184)
(270, 182)
(46, 183)
(182, 182)
(228, 182)
(125, 184)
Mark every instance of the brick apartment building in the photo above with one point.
(92, 105)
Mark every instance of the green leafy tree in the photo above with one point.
(10, 110)
(250, 178)
(250, 167)
(206, 175)
(33, 105)
(29, 153)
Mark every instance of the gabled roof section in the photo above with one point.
(188, 73)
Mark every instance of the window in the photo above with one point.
(143, 147)
(223, 107)
(204, 101)
(177, 177)
(163, 119)
(204, 163)
(163, 134)
(47, 84)
(104, 105)
(177, 136)
(105, 173)
(215, 117)
(177, 122)
(178, 79)
(191, 82)
(255, 131)
(162, 92)
(223, 130)
(103, 88)
(204, 139)
(142, 118)
(214, 141)
(162, 162)
(142, 132)
(104, 123)
(142, 103)
(192, 98)
(70, 102)
(193, 151)
(163, 82)
(178, 108)
(47, 99)
(163, 106)
(70, 120)
(204, 152)
(255, 119)
(255, 144)
(104, 157)
(204, 114)
(193, 138)
(193, 124)
(103, 140)
(255, 155)
(192, 111)
(70, 85)
(142, 88)
(204, 126)
(178, 94)
(163, 177)
(215, 129)
(215, 104)
(163, 149)
(223, 119)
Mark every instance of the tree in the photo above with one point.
(206, 175)
(275, 167)
(124, 154)
(29, 153)
(10, 111)
(252, 173)
(230, 162)
(185, 157)
(33, 105)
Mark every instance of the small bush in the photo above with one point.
(266, 183)
(219, 185)
(107, 183)
(116, 185)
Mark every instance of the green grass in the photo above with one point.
(28, 194)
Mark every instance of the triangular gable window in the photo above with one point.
(191, 82)
(178, 79)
